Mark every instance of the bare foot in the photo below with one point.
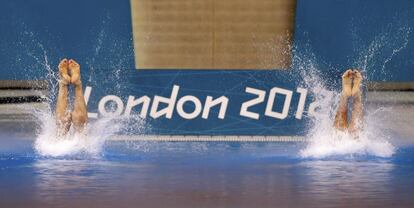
(357, 83)
(75, 72)
(63, 72)
(347, 82)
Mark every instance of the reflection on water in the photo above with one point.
(60, 179)
(207, 175)
(79, 181)
(215, 181)
(341, 181)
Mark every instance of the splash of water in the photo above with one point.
(372, 60)
(323, 139)
(382, 49)
(98, 131)
(88, 144)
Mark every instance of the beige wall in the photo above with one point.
(212, 34)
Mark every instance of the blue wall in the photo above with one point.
(341, 32)
(97, 33)
(335, 34)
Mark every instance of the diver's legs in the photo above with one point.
(357, 118)
(63, 116)
(341, 117)
(79, 113)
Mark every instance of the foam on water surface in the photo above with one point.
(88, 143)
(331, 142)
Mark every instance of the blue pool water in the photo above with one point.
(202, 174)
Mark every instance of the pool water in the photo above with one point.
(202, 174)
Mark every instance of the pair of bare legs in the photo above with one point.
(69, 71)
(351, 88)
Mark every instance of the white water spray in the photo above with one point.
(90, 143)
(324, 139)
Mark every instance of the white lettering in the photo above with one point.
(286, 105)
(86, 95)
(167, 111)
(223, 101)
(144, 100)
(111, 98)
(180, 107)
(301, 105)
(260, 98)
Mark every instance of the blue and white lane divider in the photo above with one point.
(191, 138)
